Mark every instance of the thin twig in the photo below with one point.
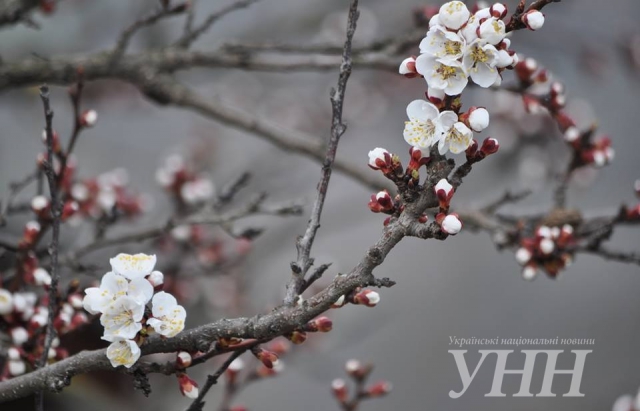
(154, 17)
(56, 210)
(304, 243)
(192, 35)
(212, 380)
(15, 189)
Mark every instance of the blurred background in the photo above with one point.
(462, 287)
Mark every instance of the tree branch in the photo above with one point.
(304, 243)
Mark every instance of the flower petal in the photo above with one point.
(133, 266)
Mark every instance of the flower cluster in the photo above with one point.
(548, 249)
(460, 46)
(188, 187)
(358, 373)
(107, 196)
(24, 316)
(121, 301)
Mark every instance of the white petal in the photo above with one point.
(140, 290)
(421, 110)
(123, 352)
(133, 266)
(162, 304)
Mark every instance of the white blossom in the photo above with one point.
(470, 31)
(454, 15)
(122, 319)
(456, 139)
(6, 302)
(133, 266)
(426, 124)
(168, 316)
(443, 44)
(112, 287)
(480, 62)
(441, 74)
(123, 352)
(492, 30)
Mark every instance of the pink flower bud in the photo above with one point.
(381, 202)
(444, 191)
(69, 209)
(320, 324)
(380, 159)
(408, 67)
(498, 10)
(183, 359)
(188, 387)
(267, 358)
(533, 19)
(30, 234)
(297, 337)
(489, 146)
(40, 206)
(369, 298)
(339, 389)
(156, 278)
(379, 389)
(89, 118)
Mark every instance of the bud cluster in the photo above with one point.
(549, 250)
(588, 149)
(24, 316)
(187, 187)
(358, 373)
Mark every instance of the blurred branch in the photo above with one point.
(253, 207)
(56, 211)
(16, 11)
(192, 34)
(14, 189)
(303, 244)
(165, 10)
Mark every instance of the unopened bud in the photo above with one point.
(188, 387)
(369, 298)
(339, 389)
(183, 359)
(379, 389)
(533, 19)
(297, 337)
(89, 118)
